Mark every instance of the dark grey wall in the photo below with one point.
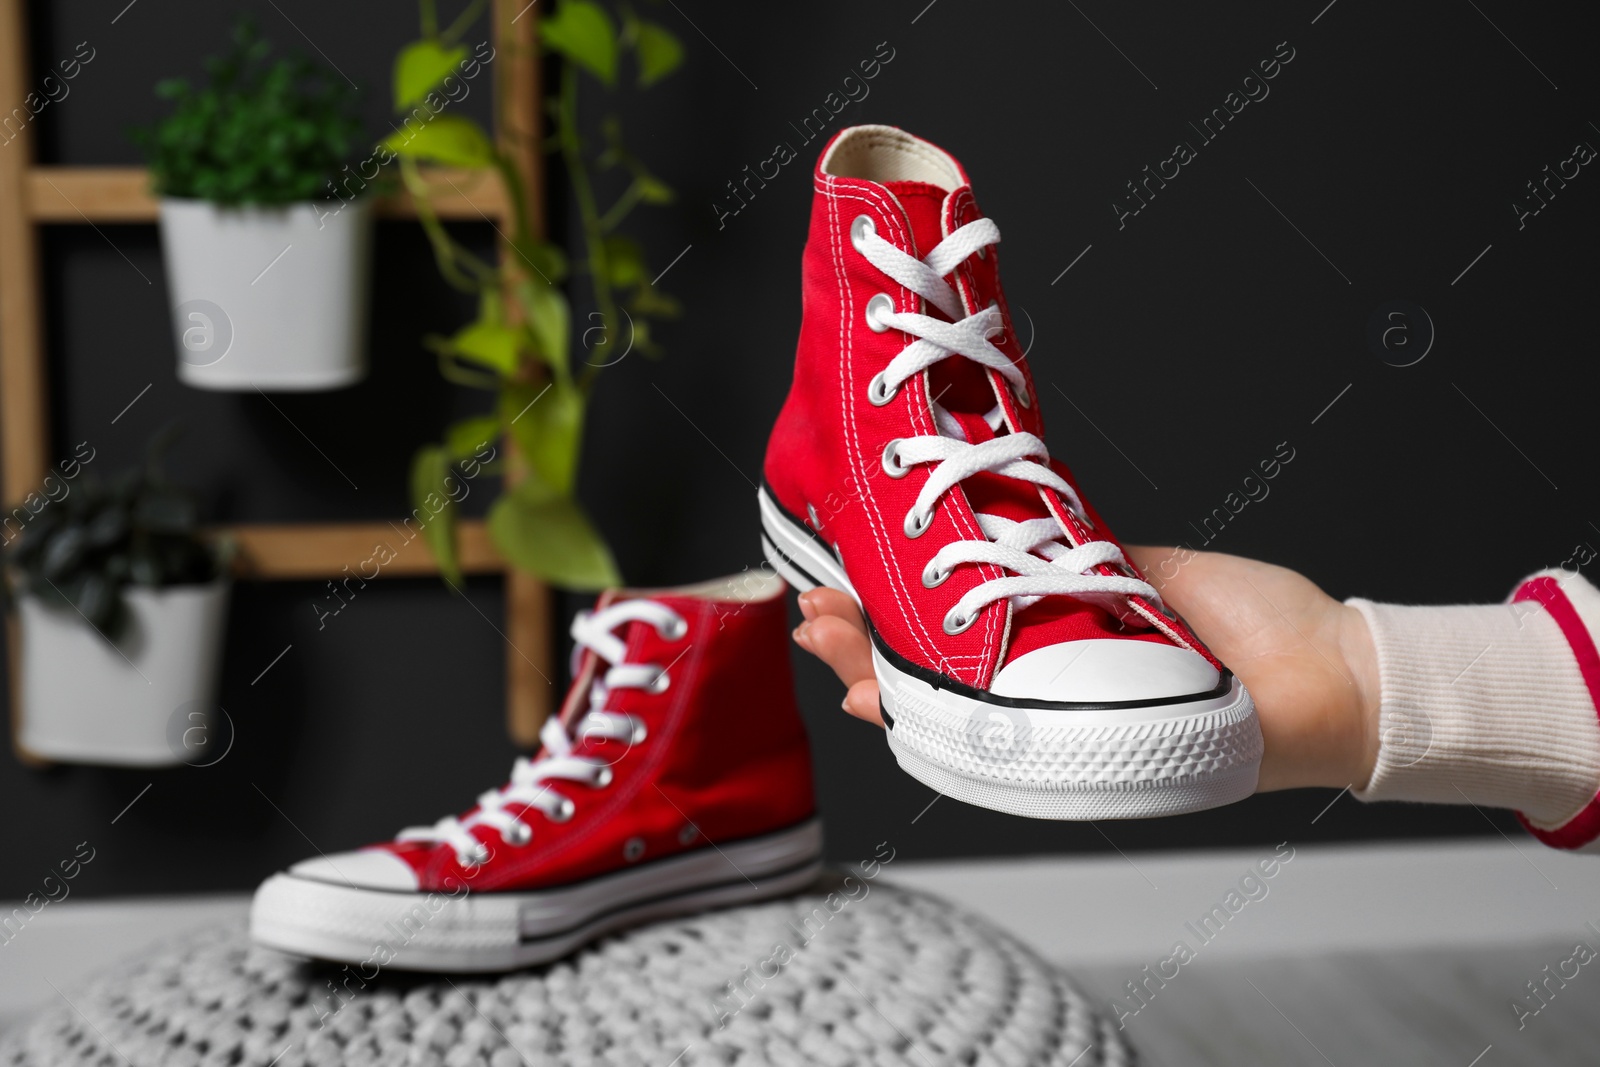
(1395, 143)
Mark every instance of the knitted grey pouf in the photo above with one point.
(886, 977)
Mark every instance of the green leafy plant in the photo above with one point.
(520, 344)
(139, 529)
(259, 132)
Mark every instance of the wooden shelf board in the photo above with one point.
(122, 194)
(287, 551)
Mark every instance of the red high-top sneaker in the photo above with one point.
(1023, 662)
(677, 777)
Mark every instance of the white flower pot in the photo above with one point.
(268, 298)
(87, 701)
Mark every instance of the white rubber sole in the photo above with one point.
(1050, 762)
(492, 931)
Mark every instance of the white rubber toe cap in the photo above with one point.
(1105, 670)
(367, 869)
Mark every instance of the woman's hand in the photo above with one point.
(1306, 659)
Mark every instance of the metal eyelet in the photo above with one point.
(1022, 398)
(955, 624)
(860, 229)
(659, 683)
(675, 629)
(518, 835)
(881, 304)
(891, 460)
(633, 849)
(688, 834)
(602, 778)
(878, 393)
(477, 858)
(565, 812)
(639, 733)
(917, 525)
(932, 578)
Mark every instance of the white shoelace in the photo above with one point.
(1033, 551)
(528, 788)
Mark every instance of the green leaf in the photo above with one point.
(653, 190)
(581, 31)
(642, 341)
(435, 510)
(466, 437)
(420, 67)
(624, 261)
(490, 344)
(648, 300)
(660, 53)
(448, 139)
(546, 422)
(544, 258)
(550, 320)
(551, 537)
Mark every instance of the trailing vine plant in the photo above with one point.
(520, 344)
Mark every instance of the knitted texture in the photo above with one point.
(1485, 703)
(890, 977)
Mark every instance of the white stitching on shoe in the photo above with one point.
(960, 509)
(853, 439)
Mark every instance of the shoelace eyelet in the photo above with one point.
(476, 858)
(932, 578)
(878, 393)
(917, 525)
(659, 683)
(882, 304)
(675, 629)
(891, 460)
(1023, 398)
(860, 229)
(639, 733)
(518, 835)
(565, 812)
(602, 778)
(954, 623)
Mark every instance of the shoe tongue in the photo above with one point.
(991, 493)
(924, 208)
(959, 384)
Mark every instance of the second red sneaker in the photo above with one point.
(1023, 662)
(677, 777)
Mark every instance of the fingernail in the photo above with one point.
(807, 608)
(845, 704)
(800, 636)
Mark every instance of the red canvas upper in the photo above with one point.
(724, 756)
(824, 459)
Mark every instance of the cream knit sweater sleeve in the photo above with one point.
(1495, 705)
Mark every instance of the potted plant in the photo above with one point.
(122, 606)
(519, 346)
(266, 263)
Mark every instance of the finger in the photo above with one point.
(1148, 557)
(862, 702)
(823, 601)
(839, 645)
(1160, 565)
